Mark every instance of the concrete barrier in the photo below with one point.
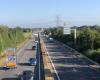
(47, 65)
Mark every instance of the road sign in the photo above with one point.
(35, 34)
(12, 58)
(66, 30)
(11, 49)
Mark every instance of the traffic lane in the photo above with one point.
(71, 56)
(37, 67)
(25, 51)
(8, 73)
(69, 65)
(28, 53)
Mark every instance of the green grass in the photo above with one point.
(94, 54)
(26, 34)
(10, 37)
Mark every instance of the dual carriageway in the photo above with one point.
(67, 64)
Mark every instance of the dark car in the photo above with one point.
(27, 75)
(32, 61)
(33, 47)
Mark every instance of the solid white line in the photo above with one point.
(52, 64)
(81, 54)
(20, 49)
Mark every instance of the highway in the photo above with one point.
(69, 64)
(23, 56)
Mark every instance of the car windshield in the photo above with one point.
(34, 46)
(32, 59)
(27, 75)
(28, 72)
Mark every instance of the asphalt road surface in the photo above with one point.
(70, 65)
(23, 56)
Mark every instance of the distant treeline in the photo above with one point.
(10, 37)
(87, 41)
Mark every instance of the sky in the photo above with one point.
(42, 13)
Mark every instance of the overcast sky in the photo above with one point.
(43, 12)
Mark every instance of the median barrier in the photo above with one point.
(47, 65)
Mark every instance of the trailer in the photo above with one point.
(11, 59)
(11, 62)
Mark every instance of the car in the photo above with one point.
(27, 75)
(36, 41)
(46, 36)
(50, 39)
(32, 61)
(33, 47)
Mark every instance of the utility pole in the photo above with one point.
(57, 21)
(15, 38)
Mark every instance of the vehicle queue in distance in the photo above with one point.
(33, 61)
(49, 39)
(28, 73)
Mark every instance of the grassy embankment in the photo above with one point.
(11, 37)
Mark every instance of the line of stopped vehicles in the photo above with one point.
(28, 73)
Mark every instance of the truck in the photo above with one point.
(11, 59)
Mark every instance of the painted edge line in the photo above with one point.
(52, 64)
(20, 49)
(83, 56)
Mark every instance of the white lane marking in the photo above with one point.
(74, 70)
(18, 73)
(83, 56)
(79, 53)
(52, 64)
(19, 51)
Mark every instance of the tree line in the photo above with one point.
(10, 37)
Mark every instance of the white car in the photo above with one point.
(36, 41)
(51, 39)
